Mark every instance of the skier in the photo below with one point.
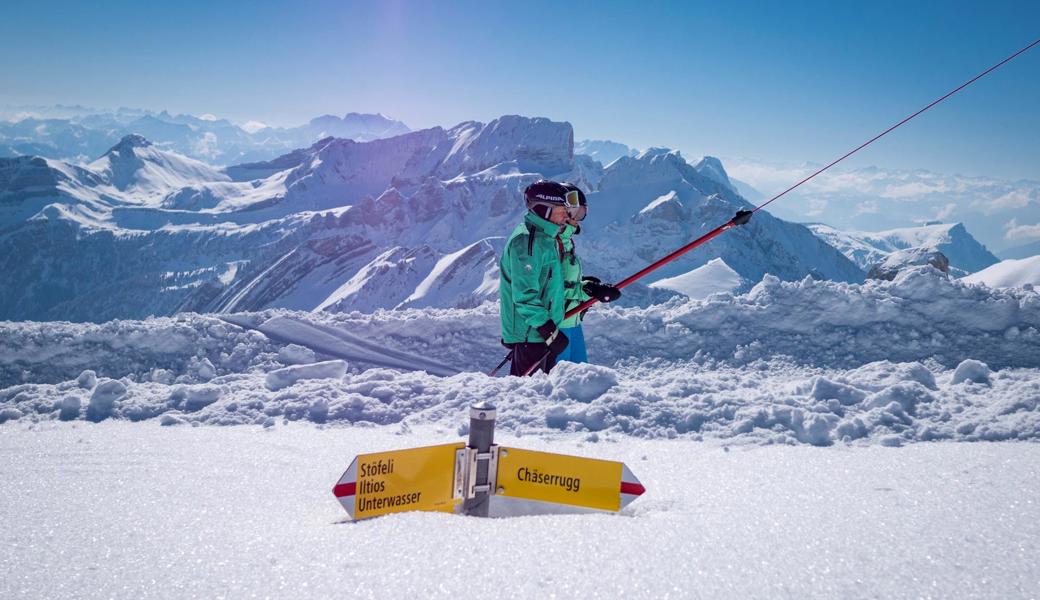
(532, 285)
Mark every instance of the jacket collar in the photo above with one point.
(549, 228)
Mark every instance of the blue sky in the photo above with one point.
(776, 81)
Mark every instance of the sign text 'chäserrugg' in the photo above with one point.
(563, 479)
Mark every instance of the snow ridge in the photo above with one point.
(811, 362)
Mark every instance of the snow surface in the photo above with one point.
(289, 376)
(118, 510)
(1009, 273)
(764, 426)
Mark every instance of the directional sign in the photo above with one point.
(399, 481)
(562, 479)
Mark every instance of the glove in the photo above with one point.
(555, 339)
(604, 292)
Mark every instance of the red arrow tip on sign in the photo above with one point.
(349, 489)
(634, 489)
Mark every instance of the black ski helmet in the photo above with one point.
(543, 194)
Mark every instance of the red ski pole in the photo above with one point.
(742, 217)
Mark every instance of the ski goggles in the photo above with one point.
(571, 203)
(576, 213)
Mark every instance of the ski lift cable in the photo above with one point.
(890, 129)
(743, 216)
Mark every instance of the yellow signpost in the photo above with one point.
(560, 479)
(399, 481)
(466, 478)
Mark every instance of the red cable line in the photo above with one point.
(883, 133)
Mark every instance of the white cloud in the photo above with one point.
(253, 126)
(982, 193)
(208, 117)
(1016, 198)
(816, 207)
(870, 207)
(944, 213)
(910, 190)
(206, 146)
(1014, 231)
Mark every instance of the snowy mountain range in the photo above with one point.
(965, 253)
(648, 205)
(604, 151)
(412, 220)
(76, 134)
(1002, 214)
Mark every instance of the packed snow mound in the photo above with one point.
(582, 382)
(283, 378)
(920, 314)
(1009, 273)
(170, 350)
(713, 278)
(971, 370)
(764, 402)
(812, 362)
(965, 253)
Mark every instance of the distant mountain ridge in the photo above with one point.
(1023, 251)
(604, 151)
(965, 253)
(877, 199)
(417, 219)
(80, 134)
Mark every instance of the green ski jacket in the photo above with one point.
(531, 281)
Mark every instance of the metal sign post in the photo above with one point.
(480, 454)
